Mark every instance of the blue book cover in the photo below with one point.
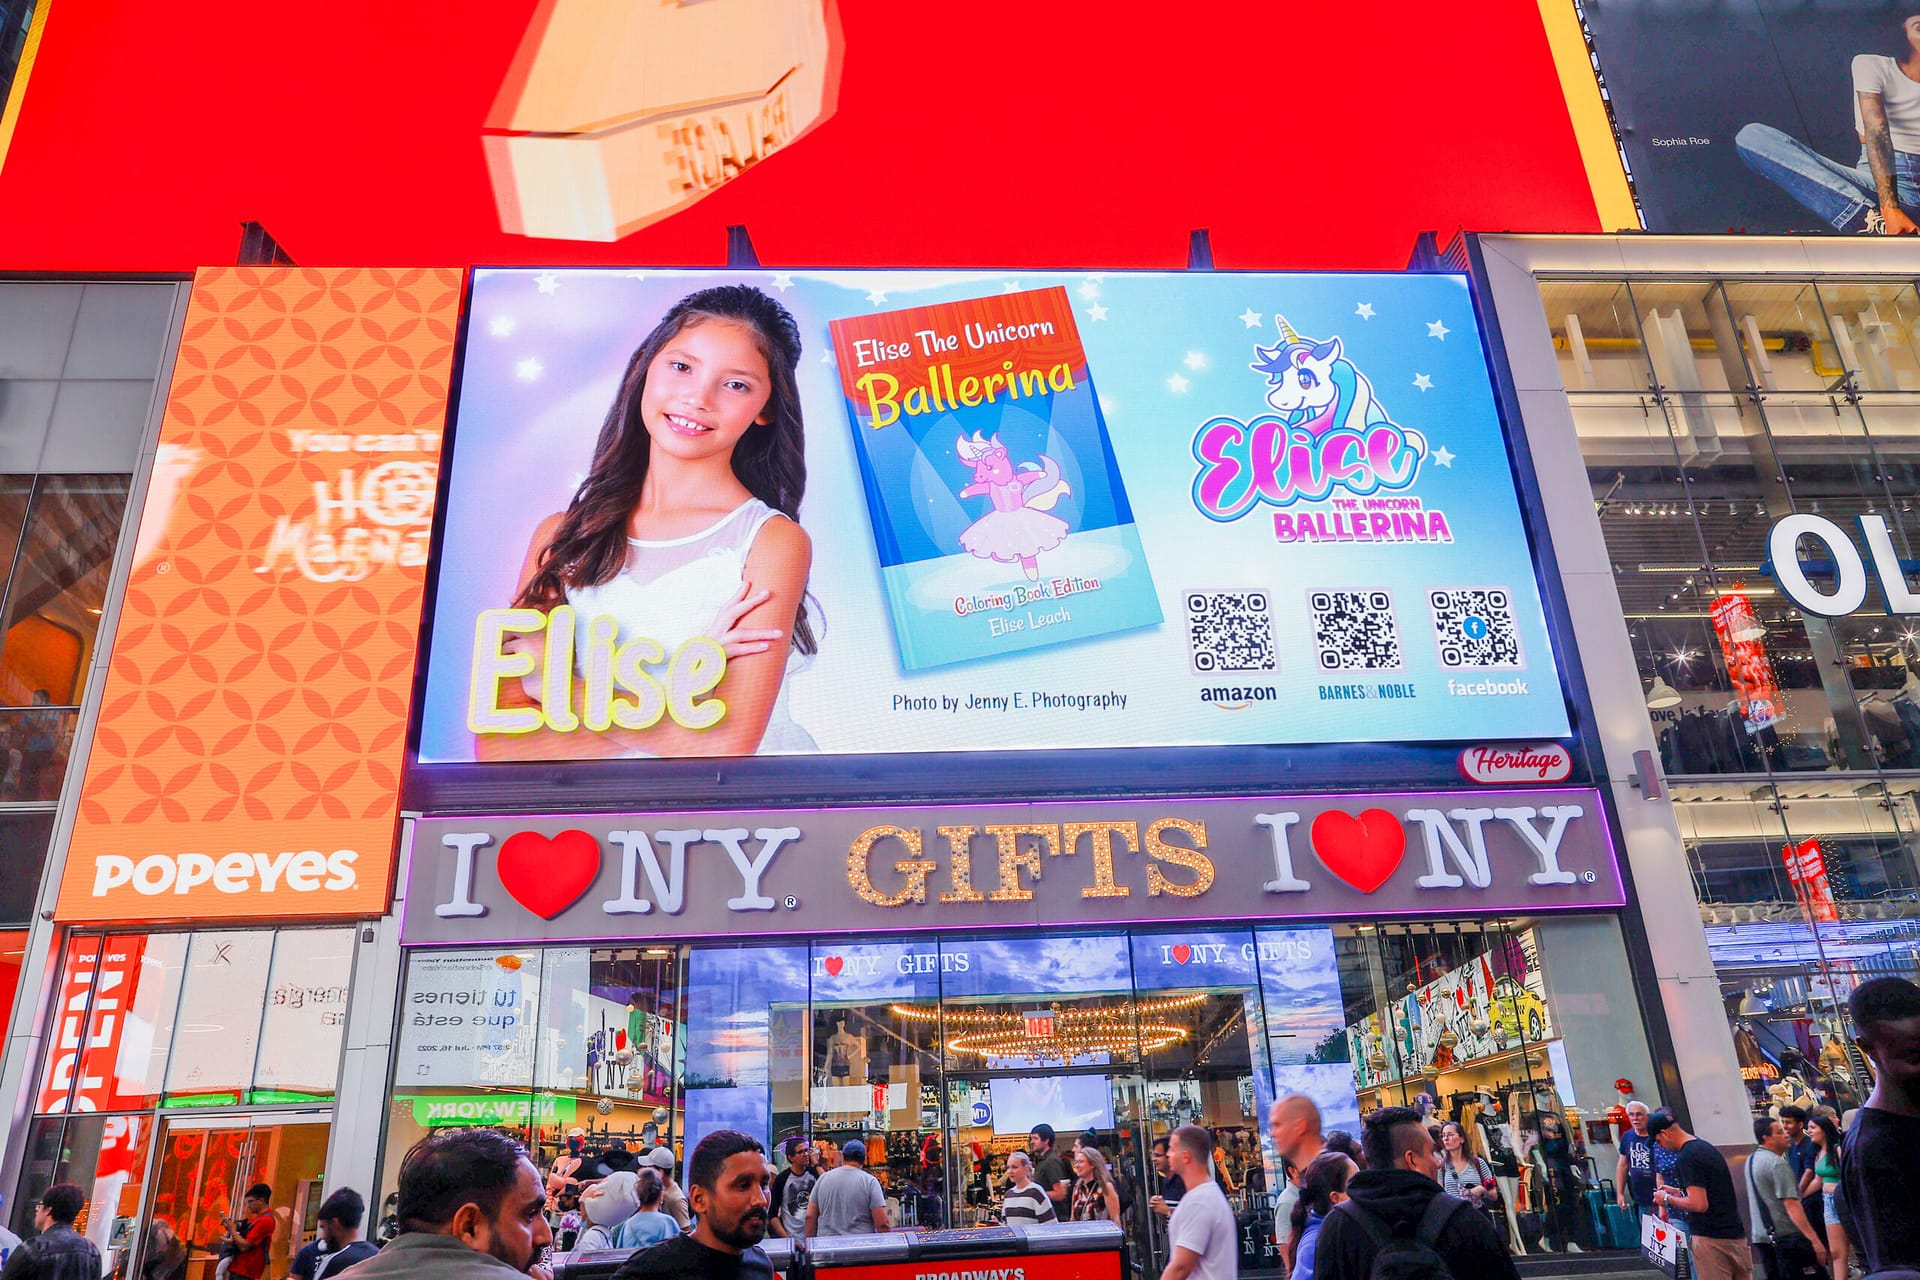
(998, 511)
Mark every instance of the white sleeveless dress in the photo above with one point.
(671, 591)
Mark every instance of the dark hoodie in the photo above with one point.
(683, 1256)
(1469, 1245)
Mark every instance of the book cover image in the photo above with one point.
(998, 511)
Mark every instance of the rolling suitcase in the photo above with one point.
(1595, 1205)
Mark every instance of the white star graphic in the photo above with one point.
(1096, 276)
(1089, 288)
(1195, 361)
(548, 281)
(876, 296)
(1436, 329)
(1443, 457)
(1250, 318)
(1096, 312)
(783, 281)
(636, 275)
(528, 369)
(1106, 405)
(1364, 311)
(1177, 383)
(500, 326)
(1009, 286)
(1423, 382)
(826, 357)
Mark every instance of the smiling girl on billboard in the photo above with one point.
(683, 533)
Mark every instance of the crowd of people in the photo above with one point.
(1406, 1199)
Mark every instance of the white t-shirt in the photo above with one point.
(1877, 73)
(1203, 1222)
(845, 1199)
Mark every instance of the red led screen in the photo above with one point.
(849, 132)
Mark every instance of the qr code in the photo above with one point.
(1231, 631)
(1474, 627)
(1355, 630)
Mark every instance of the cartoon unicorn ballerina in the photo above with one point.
(1313, 384)
(1018, 527)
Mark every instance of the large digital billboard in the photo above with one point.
(1767, 115)
(849, 132)
(247, 756)
(713, 514)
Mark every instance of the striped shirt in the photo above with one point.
(1028, 1204)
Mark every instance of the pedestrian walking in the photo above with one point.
(731, 1181)
(1786, 1243)
(1027, 1200)
(1826, 1185)
(58, 1252)
(1702, 1185)
(1323, 1184)
(1633, 1179)
(848, 1201)
(1396, 1215)
(249, 1240)
(792, 1188)
(673, 1201)
(471, 1206)
(338, 1244)
(1095, 1198)
(1880, 1160)
(650, 1226)
(1202, 1235)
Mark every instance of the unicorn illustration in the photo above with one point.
(1018, 527)
(1312, 384)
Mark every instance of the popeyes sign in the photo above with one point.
(988, 866)
(253, 724)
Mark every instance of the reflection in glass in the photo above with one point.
(58, 588)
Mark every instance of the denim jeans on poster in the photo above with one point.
(1840, 195)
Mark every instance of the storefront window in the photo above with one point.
(942, 1054)
(1762, 399)
(106, 1157)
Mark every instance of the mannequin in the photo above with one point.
(846, 1056)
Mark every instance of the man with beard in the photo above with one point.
(471, 1207)
(730, 1177)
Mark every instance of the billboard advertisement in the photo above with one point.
(851, 132)
(723, 514)
(278, 573)
(1766, 116)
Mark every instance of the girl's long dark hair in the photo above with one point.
(589, 547)
(1325, 1174)
(1831, 1132)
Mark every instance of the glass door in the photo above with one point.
(205, 1165)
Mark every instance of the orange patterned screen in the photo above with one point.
(247, 758)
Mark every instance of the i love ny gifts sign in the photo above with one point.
(972, 866)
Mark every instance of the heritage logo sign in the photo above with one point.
(697, 874)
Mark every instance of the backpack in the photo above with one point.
(1414, 1257)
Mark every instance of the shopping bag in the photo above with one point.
(1664, 1245)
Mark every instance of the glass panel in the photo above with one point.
(34, 745)
(16, 493)
(218, 1028)
(736, 1046)
(23, 857)
(146, 1032)
(306, 1015)
(106, 1157)
(58, 588)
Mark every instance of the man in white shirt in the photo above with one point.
(1027, 1200)
(848, 1201)
(1202, 1232)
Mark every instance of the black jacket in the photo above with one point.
(58, 1253)
(684, 1258)
(1469, 1244)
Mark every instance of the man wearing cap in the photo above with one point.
(673, 1201)
(847, 1201)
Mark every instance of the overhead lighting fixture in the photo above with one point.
(1660, 694)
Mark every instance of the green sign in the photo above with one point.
(490, 1108)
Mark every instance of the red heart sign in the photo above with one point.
(1660, 1235)
(833, 965)
(1362, 851)
(546, 876)
(1182, 953)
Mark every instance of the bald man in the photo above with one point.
(1294, 1126)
